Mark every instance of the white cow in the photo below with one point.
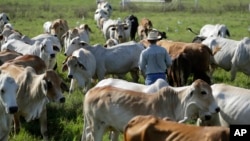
(106, 6)
(230, 54)
(118, 59)
(218, 30)
(234, 103)
(57, 47)
(34, 93)
(111, 107)
(8, 104)
(100, 16)
(81, 67)
(4, 19)
(119, 83)
(116, 29)
(56, 27)
(83, 32)
(43, 49)
(46, 26)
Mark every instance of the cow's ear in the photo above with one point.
(83, 43)
(191, 93)
(49, 84)
(8, 18)
(81, 65)
(65, 35)
(219, 33)
(64, 67)
(228, 33)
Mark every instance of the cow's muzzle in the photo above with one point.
(62, 100)
(217, 110)
(70, 76)
(208, 117)
(13, 109)
(52, 55)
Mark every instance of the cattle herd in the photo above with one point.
(161, 111)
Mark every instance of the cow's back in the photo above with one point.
(30, 60)
(150, 128)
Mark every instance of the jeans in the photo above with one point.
(151, 78)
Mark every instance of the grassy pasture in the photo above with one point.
(65, 122)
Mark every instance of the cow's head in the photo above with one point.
(4, 19)
(68, 36)
(8, 92)
(119, 31)
(54, 86)
(76, 70)
(74, 44)
(59, 27)
(200, 100)
(47, 51)
(100, 16)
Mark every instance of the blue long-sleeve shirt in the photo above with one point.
(154, 59)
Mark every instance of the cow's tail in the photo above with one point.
(189, 29)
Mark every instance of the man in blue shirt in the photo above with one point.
(155, 60)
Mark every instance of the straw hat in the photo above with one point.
(153, 35)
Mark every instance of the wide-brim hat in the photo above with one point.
(153, 35)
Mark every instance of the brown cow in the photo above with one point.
(146, 23)
(151, 128)
(30, 60)
(110, 107)
(59, 27)
(188, 58)
(34, 92)
(7, 55)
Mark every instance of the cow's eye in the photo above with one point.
(203, 93)
(49, 84)
(2, 91)
(191, 93)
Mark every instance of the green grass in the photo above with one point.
(65, 122)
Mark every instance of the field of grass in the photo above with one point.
(65, 121)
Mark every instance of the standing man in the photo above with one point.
(155, 60)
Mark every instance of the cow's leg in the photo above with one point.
(135, 74)
(72, 85)
(16, 123)
(114, 135)
(101, 74)
(99, 130)
(4, 137)
(233, 72)
(43, 124)
(88, 85)
(87, 134)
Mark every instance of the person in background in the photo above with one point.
(154, 60)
